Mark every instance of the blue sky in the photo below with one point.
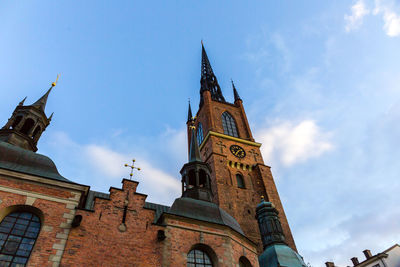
(320, 81)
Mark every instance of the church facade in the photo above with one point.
(49, 220)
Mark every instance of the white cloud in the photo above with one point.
(153, 181)
(101, 166)
(105, 160)
(355, 19)
(291, 143)
(390, 18)
(385, 8)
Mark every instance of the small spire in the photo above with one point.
(41, 103)
(22, 102)
(235, 93)
(51, 117)
(190, 116)
(194, 152)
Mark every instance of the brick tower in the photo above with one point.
(239, 176)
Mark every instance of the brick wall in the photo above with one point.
(56, 206)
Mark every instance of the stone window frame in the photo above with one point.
(208, 251)
(229, 124)
(23, 209)
(242, 183)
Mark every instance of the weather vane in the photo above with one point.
(132, 168)
(55, 83)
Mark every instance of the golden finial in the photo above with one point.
(132, 168)
(192, 123)
(55, 83)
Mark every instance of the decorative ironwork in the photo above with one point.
(18, 233)
(132, 168)
(237, 151)
(229, 125)
(198, 258)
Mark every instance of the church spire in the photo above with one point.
(190, 116)
(41, 102)
(235, 93)
(194, 152)
(208, 79)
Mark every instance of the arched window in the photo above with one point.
(229, 125)
(240, 180)
(200, 137)
(198, 258)
(18, 233)
(244, 262)
(28, 124)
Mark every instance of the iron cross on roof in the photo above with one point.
(132, 168)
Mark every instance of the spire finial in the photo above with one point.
(55, 83)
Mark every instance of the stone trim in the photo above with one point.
(214, 233)
(42, 180)
(62, 236)
(239, 140)
(71, 200)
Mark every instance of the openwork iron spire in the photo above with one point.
(208, 79)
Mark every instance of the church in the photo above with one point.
(229, 215)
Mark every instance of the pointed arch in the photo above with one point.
(229, 124)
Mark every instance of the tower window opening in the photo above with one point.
(202, 178)
(36, 132)
(16, 122)
(198, 258)
(28, 124)
(244, 262)
(240, 180)
(229, 125)
(200, 136)
(192, 179)
(18, 233)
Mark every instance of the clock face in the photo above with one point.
(237, 151)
